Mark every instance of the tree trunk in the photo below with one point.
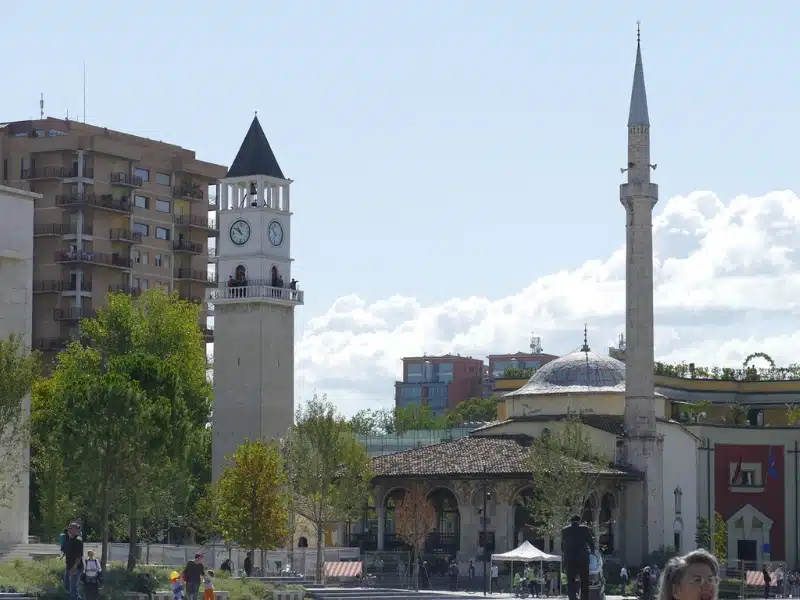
(320, 570)
(105, 509)
(133, 535)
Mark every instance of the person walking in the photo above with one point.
(73, 557)
(193, 575)
(623, 577)
(577, 542)
(92, 576)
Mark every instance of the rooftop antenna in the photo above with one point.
(41, 106)
(84, 91)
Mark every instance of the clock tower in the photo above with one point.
(254, 304)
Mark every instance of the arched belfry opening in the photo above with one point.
(273, 276)
(241, 274)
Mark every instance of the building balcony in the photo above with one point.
(102, 202)
(56, 229)
(45, 286)
(114, 261)
(188, 192)
(208, 333)
(125, 235)
(50, 344)
(122, 288)
(55, 173)
(125, 180)
(196, 222)
(234, 293)
(74, 313)
(197, 275)
(187, 247)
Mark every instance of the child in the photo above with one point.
(208, 580)
(92, 576)
(177, 586)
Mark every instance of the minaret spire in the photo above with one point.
(638, 114)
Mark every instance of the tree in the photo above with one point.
(702, 538)
(517, 373)
(792, 414)
(373, 422)
(720, 537)
(249, 499)
(565, 470)
(418, 417)
(330, 469)
(473, 410)
(415, 519)
(121, 408)
(19, 369)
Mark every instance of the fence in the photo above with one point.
(740, 579)
(391, 569)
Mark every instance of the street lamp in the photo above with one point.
(487, 495)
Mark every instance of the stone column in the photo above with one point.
(381, 510)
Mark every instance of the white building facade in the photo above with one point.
(16, 315)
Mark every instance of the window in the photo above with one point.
(162, 206)
(161, 260)
(144, 257)
(143, 173)
(25, 164)
(157, 260)
(144, 284)
(678, 500)
(162, 233)
(135, 256)
(163, 179)
(5, 169)
(135, 282)
(676, 541)
(141, 201)
(142, 228)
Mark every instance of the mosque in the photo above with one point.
(664, 471)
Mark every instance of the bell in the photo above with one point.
(253, 189)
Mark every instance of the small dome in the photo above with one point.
(582, 371)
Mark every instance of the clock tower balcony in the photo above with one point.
(233, 292)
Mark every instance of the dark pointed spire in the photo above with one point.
(255, 155)
(638, 114)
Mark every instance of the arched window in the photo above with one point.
(241, 273)
(302, 542)
(274, 276)
(678, 498)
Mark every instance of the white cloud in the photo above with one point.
(727, 283)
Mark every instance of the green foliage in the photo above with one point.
(565, 470)
(660, 557)
(517, 373)
(747, 373)
(473, 410)
(702, 538)
(248, 501)
(373, 422)
(45, 579)
(19, 369)
(418, 417)
(720, 537)
(738, 413)
(328, 469)
(792, 414)
(114, 426)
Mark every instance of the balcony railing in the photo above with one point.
(50, 344)
(55, 172)
(188, 191)
(45, 286)
(208, 333)
(195, 275)
(96, 258)
(187, 246)
(126, 180)
(124, 289)
(74, 313)
(242, 292)
(125, 235)
(199, 222)
(105, 201)
(43, 229)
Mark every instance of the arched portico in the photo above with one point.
(446, 537)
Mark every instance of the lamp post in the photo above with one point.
(487, 495)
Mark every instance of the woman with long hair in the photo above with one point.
(693, 576)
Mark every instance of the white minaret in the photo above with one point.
(254, 305)
(644, 450)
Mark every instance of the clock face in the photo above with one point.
(275, 233)
(240, 232)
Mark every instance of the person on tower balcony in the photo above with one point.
(577, 542)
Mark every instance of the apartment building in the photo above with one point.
(440, 382)
(118, 213)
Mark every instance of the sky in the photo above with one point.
(456, 163)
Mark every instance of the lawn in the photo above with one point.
(44, 578)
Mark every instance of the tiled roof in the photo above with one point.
(478, 455)
(613, 424)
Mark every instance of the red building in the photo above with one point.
(440, 382)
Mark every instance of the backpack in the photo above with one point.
(91, 571)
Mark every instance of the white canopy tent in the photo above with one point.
(527, 552)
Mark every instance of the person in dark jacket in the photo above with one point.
(248, 564)
(577, 542)
(193, 575)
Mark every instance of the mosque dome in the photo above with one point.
(580, 372)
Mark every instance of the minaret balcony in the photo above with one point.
(234, 293)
